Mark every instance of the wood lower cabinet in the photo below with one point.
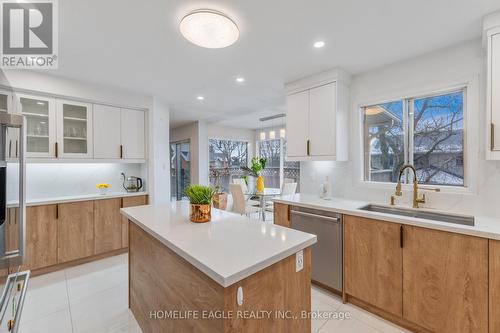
(445, 281)
(282, 214)
(107, 225)
(75, 232)
(494, 284)
(130, 202)
(12, 229)
(41, 236)
(373, 262)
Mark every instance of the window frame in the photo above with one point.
(467, 89)
(250, 153)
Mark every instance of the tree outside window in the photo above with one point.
(425, 131)
(225, 159)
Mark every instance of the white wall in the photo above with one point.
(159, 152)
(198, 133)
(461, 64)
(50, 180)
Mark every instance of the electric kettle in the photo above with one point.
(131, 183)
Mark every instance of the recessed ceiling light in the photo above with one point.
(240, 79)
(319, 44)
(40, 103)
(200, 98)
(209, 28)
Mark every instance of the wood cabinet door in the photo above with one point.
(106, 130)
(494, 281)
(107, 225)
(445, 281)
(130, 202)
(373, 262)
(75, 225)
(297, 124)
(41, 236)
(132, 134)
(282, 214)
(322, 120)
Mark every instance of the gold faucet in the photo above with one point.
(416, 199)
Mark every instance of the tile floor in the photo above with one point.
(93, 298)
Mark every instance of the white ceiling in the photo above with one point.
(137, 45)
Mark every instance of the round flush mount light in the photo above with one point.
(240, 79)
(200, 98)
(319, 44)
(209, 28)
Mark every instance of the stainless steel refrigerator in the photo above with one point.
(12, 220)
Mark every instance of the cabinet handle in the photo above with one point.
(492, 136)
(57, 150)
(17, 149)
(57, 211)
(10, 148)
(401, 236)
(121, 151)
(289, 213)
(308, 147)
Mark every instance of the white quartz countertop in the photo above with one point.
(227, 249)
(484, 226)
(75, 198)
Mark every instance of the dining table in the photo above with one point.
(268, 192)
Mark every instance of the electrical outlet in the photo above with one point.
(299, 261)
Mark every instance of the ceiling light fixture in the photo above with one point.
(319, 44)
(282, 133)
(200, 98)
(209, 28)
(240, 79)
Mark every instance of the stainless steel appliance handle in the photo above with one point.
(327, 218)
(8, 294)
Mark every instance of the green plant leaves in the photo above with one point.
(199, 194)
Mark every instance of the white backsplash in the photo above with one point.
(483, 201)
(48, 180)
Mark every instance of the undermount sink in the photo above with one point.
(422, 214)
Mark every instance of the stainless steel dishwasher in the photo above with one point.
(326, 254)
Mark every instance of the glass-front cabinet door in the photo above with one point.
(39, 114)
(74, 129)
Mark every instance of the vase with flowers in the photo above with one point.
(257, 166)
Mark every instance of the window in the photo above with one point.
(225, 158)
(427, 132)
(277, 168)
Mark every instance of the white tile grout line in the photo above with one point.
(69, 303)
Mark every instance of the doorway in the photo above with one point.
(180, 168)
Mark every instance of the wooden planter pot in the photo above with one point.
(201, 213)
(220, 201)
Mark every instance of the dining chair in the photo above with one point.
(288, 189)
(244, 187)
(240, 204)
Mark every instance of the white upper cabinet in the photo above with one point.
(107, 132)
(317, 121)
(74, 129)
(492, 34)
(40, 118)
(132, 134)
(118, 133)
(297, 124)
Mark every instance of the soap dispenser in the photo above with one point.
(325, 189)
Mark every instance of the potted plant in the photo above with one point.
(220, 198)
(258, 164)
(200, 198)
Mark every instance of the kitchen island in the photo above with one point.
(229, 275)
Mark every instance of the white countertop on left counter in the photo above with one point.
(75, 198)
(227, 249)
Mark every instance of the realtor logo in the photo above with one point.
(29, 34)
